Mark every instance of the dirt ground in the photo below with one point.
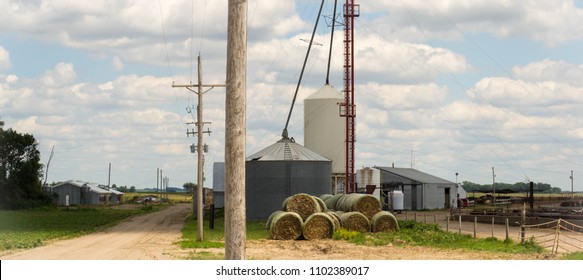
(153, 236)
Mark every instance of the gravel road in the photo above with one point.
(145, 237)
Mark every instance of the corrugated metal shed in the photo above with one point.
(421, 190)
(83, 193)
(219, 184)
(415, 175)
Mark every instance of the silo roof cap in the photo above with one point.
(326, 92)
(286, 149)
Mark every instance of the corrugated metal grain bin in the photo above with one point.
(281, 170)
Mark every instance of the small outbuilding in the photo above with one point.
(75, 192)
(420, 190)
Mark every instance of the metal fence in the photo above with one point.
(559, 236)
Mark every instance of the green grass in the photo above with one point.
(215, 238)
(430, 235)
(573, 256)
(23, 229)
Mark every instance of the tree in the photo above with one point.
(189, 187)
(20, 171)
(132, 189)
(114, 187)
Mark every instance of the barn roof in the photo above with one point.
(94, 187)
(415, 175)
(286, 149)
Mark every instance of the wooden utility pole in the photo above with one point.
(199, 132)
(235, 131)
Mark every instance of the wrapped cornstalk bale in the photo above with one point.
(303, 204)
(321, 203)
(268, 223)
(335, 218)
(285, 226)
(355, 221)
(384, 221)
(332, 201)
(318, 226)
(363, 203)
(326, 196)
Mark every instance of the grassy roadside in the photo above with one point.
(410, 233)
(25, 229)
(431, 235)
(215, 238)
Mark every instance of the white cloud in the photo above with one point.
(4, 60)
(62, 74)
(117, 63)
(551, 70)
(551, 23)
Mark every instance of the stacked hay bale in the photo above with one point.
(313, 217)
(360, 212)
(305, 210)
(318, 226)
(384, 221)
(366, 204)
(285, 225)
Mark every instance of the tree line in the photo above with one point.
(519, 187)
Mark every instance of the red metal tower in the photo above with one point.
(351, 11)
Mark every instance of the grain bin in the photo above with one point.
(324, 128)
(282, 170)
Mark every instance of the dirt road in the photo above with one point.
(153, 236)
(144, 237)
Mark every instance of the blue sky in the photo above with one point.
(463, 86)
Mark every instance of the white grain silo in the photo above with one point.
(325, 129)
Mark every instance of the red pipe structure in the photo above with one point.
(351, 11)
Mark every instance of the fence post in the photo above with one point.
(475, 226)
(555, 249)
(415, 216)
(492, 226)
(446, 223)
(522, 224)
(507, 229)
(460, 224)
(434, 218)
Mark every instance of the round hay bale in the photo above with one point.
(318, 226)
(384, 221)
(268, 223)
(303, 204)
(332, 201)
(326, 196)
(363, 203)
(335, 218)
(355, 221)
(321, 203)
(286, 226)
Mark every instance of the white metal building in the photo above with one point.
(75, 192)
(421, 190)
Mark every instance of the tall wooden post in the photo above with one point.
(235, 131)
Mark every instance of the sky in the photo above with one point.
(446, 87)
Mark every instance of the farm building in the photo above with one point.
(420, 190)
(282, 170)
(219, 184)
(74, 192)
